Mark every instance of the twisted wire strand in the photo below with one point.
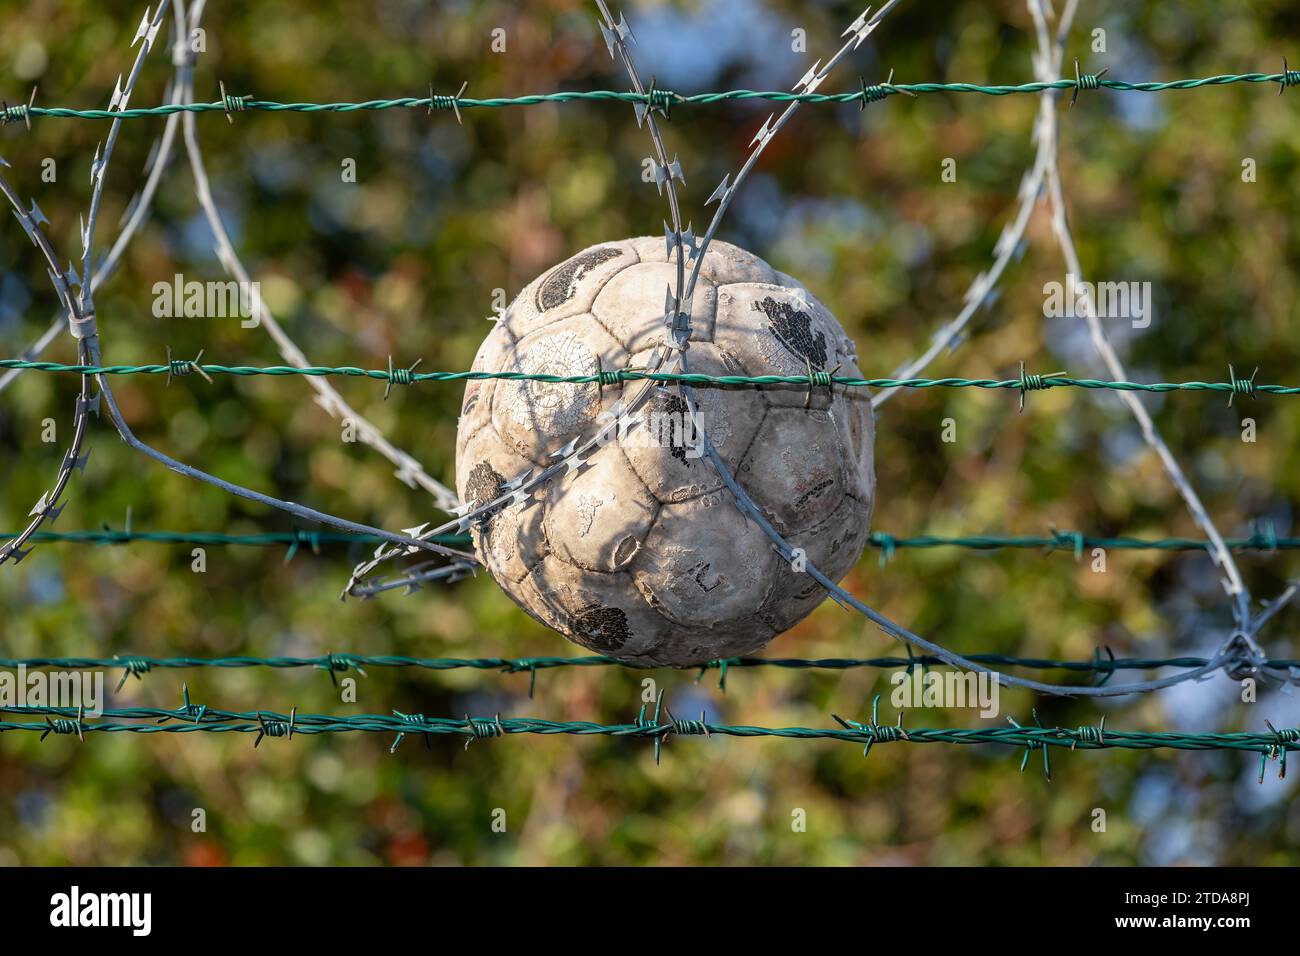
(659, 99)
(615, 376)
(136, 665)
(1063, 541)
(188, 719)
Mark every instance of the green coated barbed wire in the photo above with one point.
(138, 665)
(191, 718)
(1067, 541)
(295, 540)
(1024, 383)
(659, 99)
(1264, 540)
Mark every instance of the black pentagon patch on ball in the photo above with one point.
(793, 329)
(602, 628)
(562, 284)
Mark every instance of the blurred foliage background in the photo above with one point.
(404, 261)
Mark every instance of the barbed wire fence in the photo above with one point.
(658, 727)
(1239, 655)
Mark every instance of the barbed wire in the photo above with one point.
(410, 471)
(1024, 383)
(1228, 657)
(1066, 542)
(1240, 655)
(1241, 652)
(1102, 666)
(574, 455)
(82, 322)
(1046, 64)
(663, 99)
(661, 725)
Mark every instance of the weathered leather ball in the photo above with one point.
(642, 554)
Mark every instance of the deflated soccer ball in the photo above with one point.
(642, 553)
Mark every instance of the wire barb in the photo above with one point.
(232, 104)
(819, 379)
(341, 664)
(1288, 78)
(888, 546)
(1241, 386)
(1034, 383)
(875, 731)
(1073, 540)
(62, 725)
(479, 728)
(1096, 736)
(22, 112)
(188, 710)
(135, 667)
(274, 727)
(417, 721)
(652, 726)
(177, 367)
(660, 101)
(399, 376)
(879, 91)
(1085, 81)
(437, 102)
(1032, 744)
(1287, 735)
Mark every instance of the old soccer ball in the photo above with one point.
(642, 554)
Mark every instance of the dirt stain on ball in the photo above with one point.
(602, 628)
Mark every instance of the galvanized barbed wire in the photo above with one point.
(658, 98)
(410, 471)
(672, 349)
(49, 506)
(615, 36)
(80, 312)
(82, 322)
(137, 210)
(1271, 744)
(1046, 64)
(1025, 382)
(518, 490)
(573, 456)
